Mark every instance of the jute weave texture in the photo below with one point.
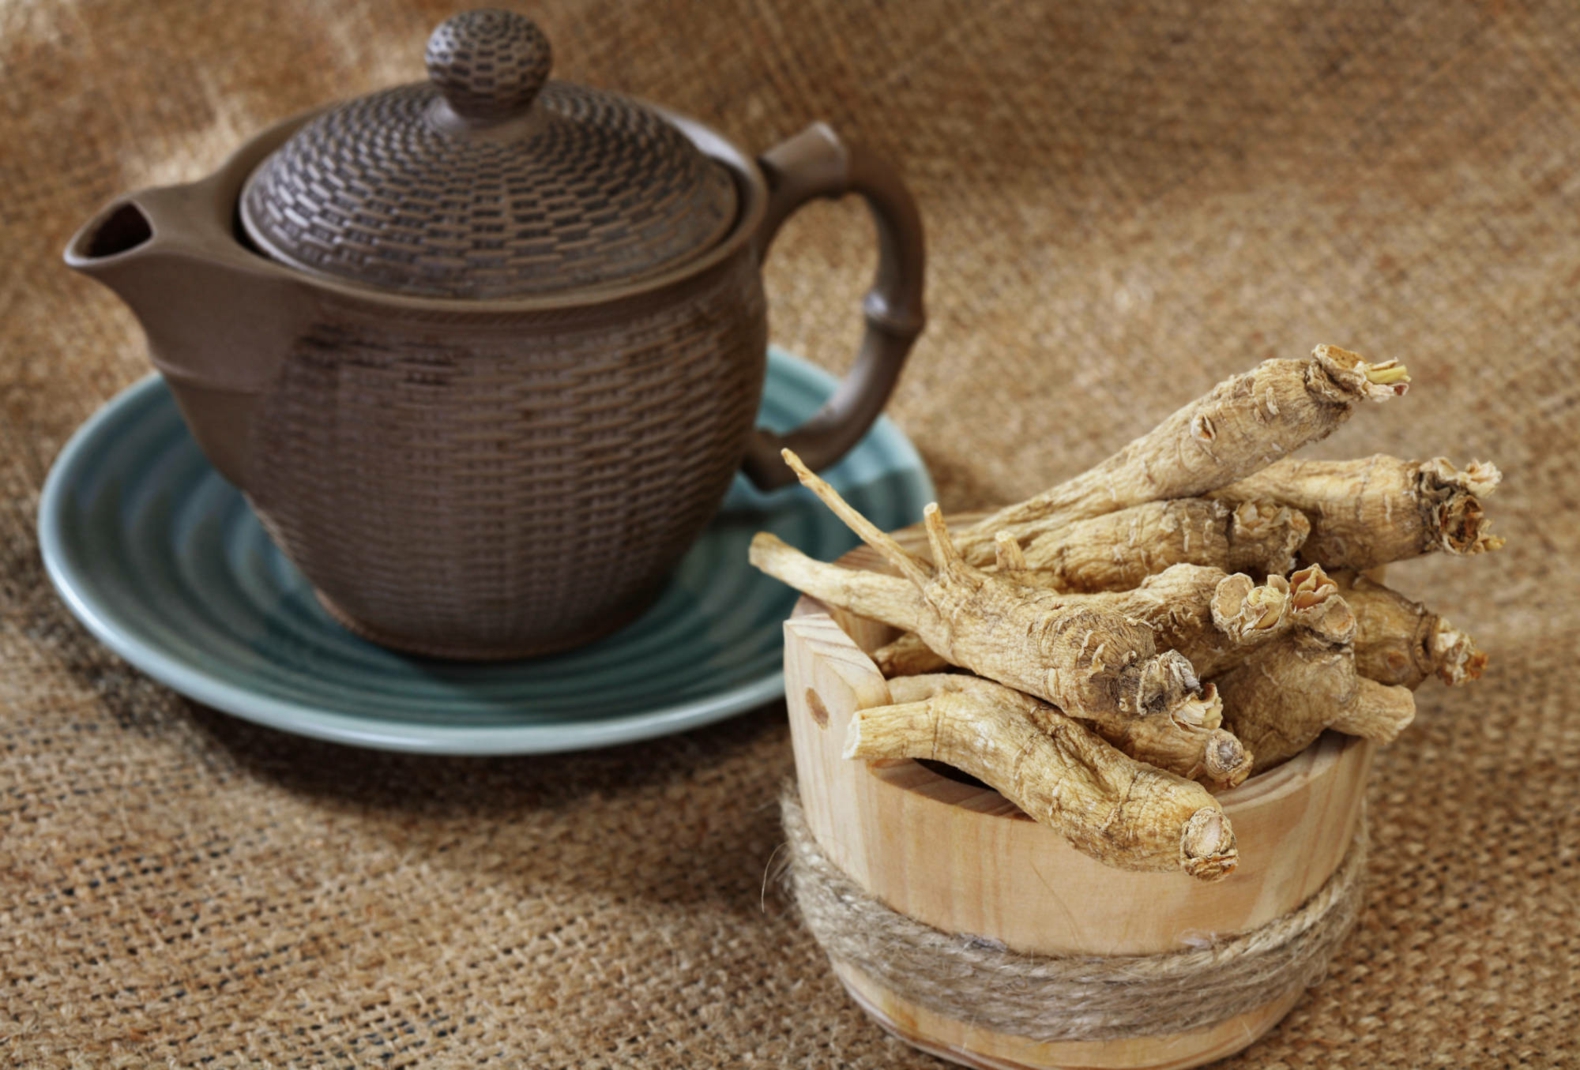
(1126, 202)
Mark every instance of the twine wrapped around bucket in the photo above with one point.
(1051, 998)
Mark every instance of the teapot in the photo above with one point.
(485, 352)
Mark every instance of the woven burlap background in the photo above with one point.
(1126, 202)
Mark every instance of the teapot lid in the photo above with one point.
(489, 180)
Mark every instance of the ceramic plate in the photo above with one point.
(166, 564)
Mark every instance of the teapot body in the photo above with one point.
(495, 476)
(502, 485)
(472, 479)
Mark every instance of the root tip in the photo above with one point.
(1007, 554)
(1167, 686)
(852, 748)
(1456, 655)
(1226, 760)
(763, 546)
(1464, 526)
(1356, 376)
(1207, 847)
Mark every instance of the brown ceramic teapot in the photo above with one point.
(485, 352)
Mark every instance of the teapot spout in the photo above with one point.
(219, 319)
(121, 227)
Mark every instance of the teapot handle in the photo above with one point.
(816, 163)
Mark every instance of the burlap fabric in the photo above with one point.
(1126, 202)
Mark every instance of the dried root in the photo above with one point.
(1214, 621)
(1377, 712)
(1282, 697)
(1245, 423)
(889, 599)
(908, 656)
(1211, 618)
(1116, 810)
(1128, 599)
(1380, 509)
(1264, 538)
(1088, 660)
(1117, 551)
(1249, 615)
(1196, 748)
(1008, 557)
(1455, 655)
(1092, 660)
(1401, 642)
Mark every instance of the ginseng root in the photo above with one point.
(1211, 618)
(1088, 660)
(908, 656)
(1378, 712)
(1117, 551)
(1215, 621)
(1372, 511)
(1118, 811)
(1282, 697)
(1244, 424)
(1206, 751)
(1401, 642)
(1196, 748)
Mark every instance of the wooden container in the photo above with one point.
(960, 858)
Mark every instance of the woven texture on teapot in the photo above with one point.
(493, 495)
(587, 188)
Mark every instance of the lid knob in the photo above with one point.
(489, 64)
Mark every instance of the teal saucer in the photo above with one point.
(167, 565)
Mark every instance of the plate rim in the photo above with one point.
(319, 722)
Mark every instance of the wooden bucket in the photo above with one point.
(961, 859)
